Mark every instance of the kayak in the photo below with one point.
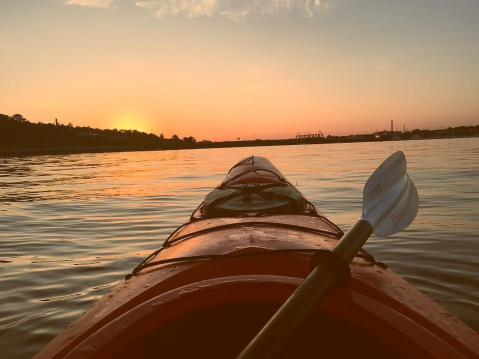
(218, 279)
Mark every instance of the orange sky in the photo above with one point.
(220, 70)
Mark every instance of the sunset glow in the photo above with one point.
(222, 70)
(126, 120)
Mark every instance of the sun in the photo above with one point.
(131, 122)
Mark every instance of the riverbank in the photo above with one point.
(19, 137)
(14, 152)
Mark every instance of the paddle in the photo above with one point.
(390, 204)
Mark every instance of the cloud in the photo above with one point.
(90, 3)
(236, 9)
(189, 8)
(147, 4)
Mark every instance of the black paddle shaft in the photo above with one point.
(308, 295)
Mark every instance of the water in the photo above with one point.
(72, 226)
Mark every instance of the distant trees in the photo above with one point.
(461, 131)
(190, 139)
(18, 117)
(17, 132)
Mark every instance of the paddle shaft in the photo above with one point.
(309, 294)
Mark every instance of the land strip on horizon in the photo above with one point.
(18, 136)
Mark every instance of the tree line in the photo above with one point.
(17, 132)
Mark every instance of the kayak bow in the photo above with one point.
(218, 279)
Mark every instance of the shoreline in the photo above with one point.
(17, 152)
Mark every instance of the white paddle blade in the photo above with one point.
(390, 199)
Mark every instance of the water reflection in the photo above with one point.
(80, 177)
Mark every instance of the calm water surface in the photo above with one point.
(72, 226)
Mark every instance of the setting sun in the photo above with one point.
(130, 121)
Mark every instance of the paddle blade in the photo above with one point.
(390, 199)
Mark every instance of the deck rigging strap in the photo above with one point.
(241, 174)
(253, 197)
(317, 256)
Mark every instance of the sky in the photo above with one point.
(228, 69)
